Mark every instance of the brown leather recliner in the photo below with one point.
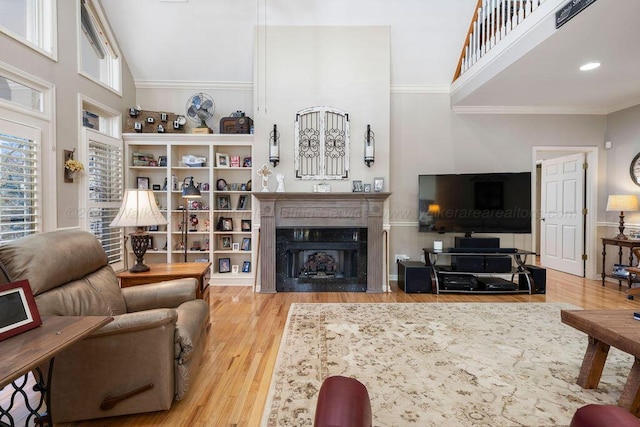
(343, 402)
(157, 336)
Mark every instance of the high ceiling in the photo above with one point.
(179, 41)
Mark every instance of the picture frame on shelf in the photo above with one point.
(154, 228)
(142, 183)
(246, 244)
(162, 160)
(235, 269)
(357, 186)
(367, 188)
(246, 267)
(242, 203)
(245, 225)
(226, 242)
(18, 310)
(378, 184)
(222, 160)
(224, 265)
(235, 246)
(234, 161)
(223, 202)
(246, 162)
(225, 224)
(156, 187)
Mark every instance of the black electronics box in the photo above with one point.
(236, 124)
(498, 284)
(477, 242)
(458, 282)
(539, 277)
(414, 277)
(470, 263)
(497, 264)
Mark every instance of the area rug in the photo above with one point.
(439, 364)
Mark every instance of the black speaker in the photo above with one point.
(497, 264)
(470, 263)
(477, 242)
(414, 277)
(539, 276)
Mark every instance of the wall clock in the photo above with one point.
(634, 169)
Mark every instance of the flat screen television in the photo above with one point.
(475, 203)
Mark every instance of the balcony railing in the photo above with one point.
(492, 21)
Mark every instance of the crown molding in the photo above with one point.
(419, 89)
(192, 85)
(508, 109)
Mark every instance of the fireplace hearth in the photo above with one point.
(321, 259)
(314, 211)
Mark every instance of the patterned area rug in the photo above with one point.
(453, 364)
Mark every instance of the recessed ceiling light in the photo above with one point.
(590, 66)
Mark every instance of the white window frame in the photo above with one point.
(111, 66)
(42, 33)
(110, 133)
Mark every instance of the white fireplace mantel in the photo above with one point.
(321, 210)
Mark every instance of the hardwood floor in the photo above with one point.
(234, 377)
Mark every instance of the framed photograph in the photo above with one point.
(18, 310)
(143, 183)
(226, 242)
(242, 203)
(367, 188)
(378, 184)
(224, 265)
(222, 160)
(246, 267)
(246, 244)
(357, 186)
(156, 187)
(162, 160)
(223, 202)
(246, 162)
(234, 161)
(235, 269)
(154, 228)
(245, 225)
(235, 246)
(225, 224)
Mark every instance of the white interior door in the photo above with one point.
(562, 219)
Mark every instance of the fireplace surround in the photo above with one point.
(309, 211)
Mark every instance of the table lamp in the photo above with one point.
(189, 191)
(138, 209)
(622, 203)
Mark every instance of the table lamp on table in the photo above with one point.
(138, 209)
(622, 203)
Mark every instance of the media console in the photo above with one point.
(482, 270)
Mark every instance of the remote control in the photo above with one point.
(636, 315)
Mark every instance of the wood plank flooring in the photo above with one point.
(233, 380)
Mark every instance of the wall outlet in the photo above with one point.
(400, 257)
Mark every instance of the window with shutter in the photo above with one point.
(19, 190)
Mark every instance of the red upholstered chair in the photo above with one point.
(343, 402)
(603, 416)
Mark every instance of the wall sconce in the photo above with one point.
(369, 146)
(274, 146)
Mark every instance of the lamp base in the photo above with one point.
(621, 237)
(139, 244)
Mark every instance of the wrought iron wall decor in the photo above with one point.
(322, 143)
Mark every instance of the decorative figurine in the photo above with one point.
(280, 180)
(193, 219)
(265, 173)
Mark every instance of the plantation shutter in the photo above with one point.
(19, 194)
(105, 182)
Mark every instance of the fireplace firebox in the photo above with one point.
(321, 259)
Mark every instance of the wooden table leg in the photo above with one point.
(593, 363)
(630, 397)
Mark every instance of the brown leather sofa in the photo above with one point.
(157, 337)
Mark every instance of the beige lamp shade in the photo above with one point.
(138, 209)
(623, 203)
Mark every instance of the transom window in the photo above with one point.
(30, 22)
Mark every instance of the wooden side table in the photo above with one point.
(631, 244)
(162, 272)
(27, 351)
